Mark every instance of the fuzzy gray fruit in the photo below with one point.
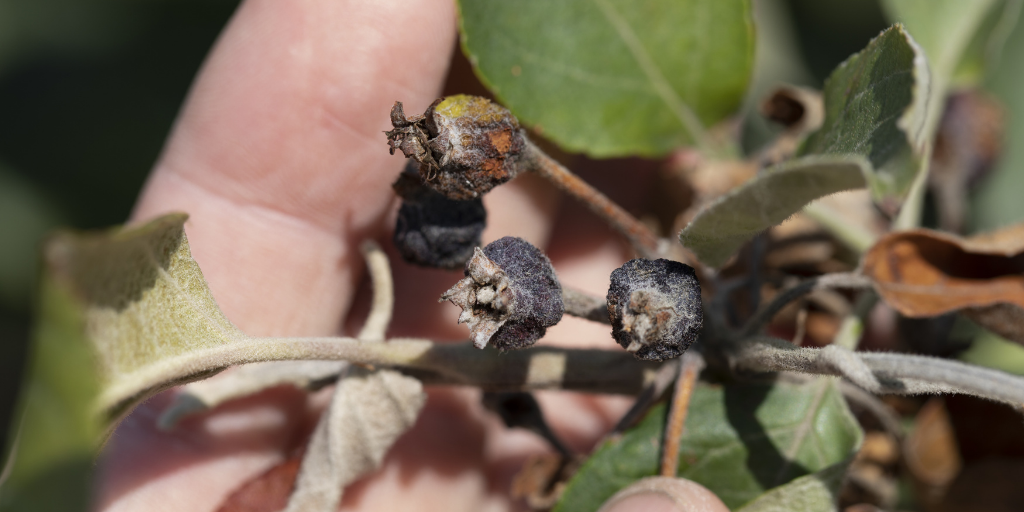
(510, 295)
(432, 230)
(655, 308)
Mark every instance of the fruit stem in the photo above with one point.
(690, 365)
(640, 236)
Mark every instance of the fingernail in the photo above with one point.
(663, 494)
(647, 502)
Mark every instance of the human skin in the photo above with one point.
(279, 158)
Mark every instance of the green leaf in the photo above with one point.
(51, 448)
(740, 441)
(983, 53)
(719, 230)
(943, 29)
(113, 307)
(997, 201)
(811, 493)
(27, 217)
(613, 77)
(146, 303)
(876, 106)
(992, 351)
(875, 114)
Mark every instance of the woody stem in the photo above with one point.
(640, 236)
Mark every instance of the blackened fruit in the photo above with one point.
(465, 145)
(510, 295)
(432, 230)
(655, 308)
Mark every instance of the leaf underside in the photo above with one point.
(875, 113)
(725, 225)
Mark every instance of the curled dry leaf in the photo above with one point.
(924, 273)
(369, 411)
(799, 110)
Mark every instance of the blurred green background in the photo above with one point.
(89, 90)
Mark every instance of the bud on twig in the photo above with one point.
(465, 145)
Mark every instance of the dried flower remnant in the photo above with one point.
(465, 145)
(510, 295)
(432, 230)
(655, 307)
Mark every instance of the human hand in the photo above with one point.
(280, 160)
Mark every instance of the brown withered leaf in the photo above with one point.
(924, 273)
(800, 111)
(931, 453)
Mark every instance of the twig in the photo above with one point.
(244, 381)
(383, 292)
(837, 280)
(665, 376)
(881, 373)
(885, 415)
(801, 326)
(521, 410)
(595, 371)
(847, 232)
(583, 305)
(758, 247)
(690, 365)
(851, 330)
(640, 236)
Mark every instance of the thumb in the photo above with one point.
(663, 494)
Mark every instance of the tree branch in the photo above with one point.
(583, 305)
(640, 236)
(765, 315)
(690, 365)
(383, 303)
(882, 373)
(594, 371)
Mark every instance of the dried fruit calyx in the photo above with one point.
(432, 230)
(465, 145)
(510, 295)
(655, 308)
